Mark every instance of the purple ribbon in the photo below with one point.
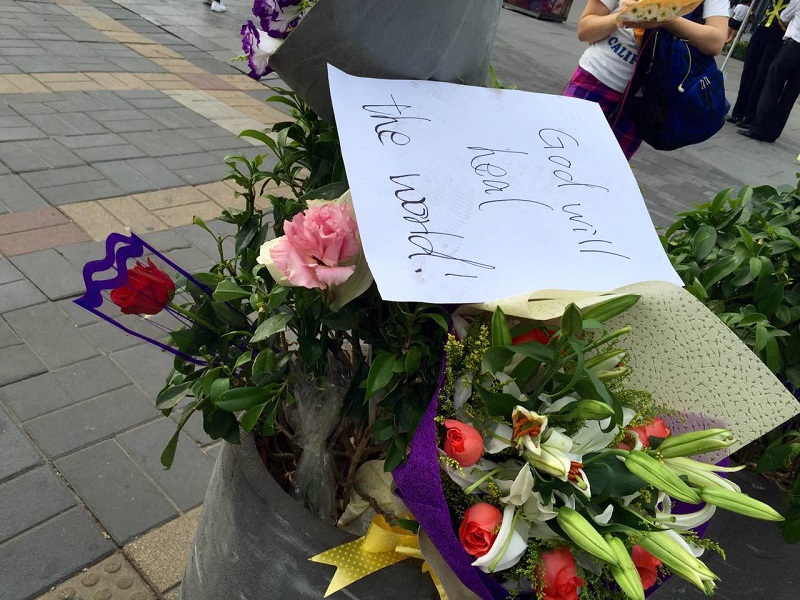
(419, 485)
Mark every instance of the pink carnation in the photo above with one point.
(316, 244)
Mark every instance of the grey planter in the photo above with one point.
(441, 40)
(253, 542)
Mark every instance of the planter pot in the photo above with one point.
(253, 542)
(445, 40)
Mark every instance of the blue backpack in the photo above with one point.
(682, 92)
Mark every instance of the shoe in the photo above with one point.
(745, 124)
(752, 135)
(732, 119)
(218, 7)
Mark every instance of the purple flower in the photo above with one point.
(278, 17)
(258, 46)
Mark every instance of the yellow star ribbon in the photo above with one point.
(384, 545)
(774, 12)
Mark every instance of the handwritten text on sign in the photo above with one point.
(467, 194)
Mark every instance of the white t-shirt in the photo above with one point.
(611, 60)
(739, 12)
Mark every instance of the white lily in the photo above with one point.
(681, 522)
(462, 391)
(604, 517)
(529, 427)
(550, 460)
(520, 490)
(460, 326)
(535, 509)
(498, 437)
(509, 546)
(698, 473)
(590, 437)
(696, 551)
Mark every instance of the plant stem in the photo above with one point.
(605, 453)
(191, 316)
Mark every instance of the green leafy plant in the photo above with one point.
(740, 255)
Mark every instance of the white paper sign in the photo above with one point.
(466, 194)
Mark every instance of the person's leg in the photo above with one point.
(790, 70)
(584, 85)
(772, 43)
(752, 58)
(765, 124)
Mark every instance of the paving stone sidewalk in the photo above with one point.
(116, 116)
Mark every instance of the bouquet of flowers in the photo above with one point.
(513, 455)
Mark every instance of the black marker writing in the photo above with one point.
(388, 128)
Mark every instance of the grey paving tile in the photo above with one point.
(51, 273)
(139, 175)
(17, 195)
(13, 121)
(60, 177)
(79, 254)
(177, 118)
(164, 241)
(18, 453)
(30, 498)
(136, 65)
(124, 114)
(7, 335)
(21, 133)
(91, 141)
(39, 326)
(161, 143)
(200, 175)
(190, 161)
(19, 294)
(80, 192)
(186, 482)
(109, 338)
(44, 555)
(132, 125)
(85, 423)
(161, 101)
(115, 490)
(106, 153)
(36, 155)
(31, 398)
(67, 124)
(109, 100)
(147, 366)
(8, 272)
(77, 314)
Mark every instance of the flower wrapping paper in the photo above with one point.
(446, 40)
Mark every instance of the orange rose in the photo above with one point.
(479, 528)
(463, 443)
(656, 429)
(646, 564)
(560, 576)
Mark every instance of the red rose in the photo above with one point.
(560, 576)
(462, 443)
(656, 429)
(646, 564)
(146, 292)
(479, 528)
(535, 335)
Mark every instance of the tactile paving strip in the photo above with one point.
(111, 579)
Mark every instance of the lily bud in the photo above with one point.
(581, 531)
(740, 503)
(680, 560)
(696, 475)
(591, 410)
(625, 573)
(649, 470)
(696, 442)
(549, 460)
